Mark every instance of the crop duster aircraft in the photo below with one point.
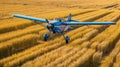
(60, 25)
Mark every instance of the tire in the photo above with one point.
(67, 39)
(45, 36)
(45, 39)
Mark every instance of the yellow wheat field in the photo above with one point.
(22, 45)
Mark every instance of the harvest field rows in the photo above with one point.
(22, 45)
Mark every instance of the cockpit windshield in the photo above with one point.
(60, 19)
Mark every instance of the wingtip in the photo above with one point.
(13, 15)
(113, 22)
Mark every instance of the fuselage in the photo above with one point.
(57, 26)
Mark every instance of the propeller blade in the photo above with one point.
(47, 20)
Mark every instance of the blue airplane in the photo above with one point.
(60, 25)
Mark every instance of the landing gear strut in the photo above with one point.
(67, 38)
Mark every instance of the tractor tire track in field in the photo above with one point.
(111, 6)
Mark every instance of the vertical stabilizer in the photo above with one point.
(70, 17)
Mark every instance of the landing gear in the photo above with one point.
(45, 36)
(67, 39)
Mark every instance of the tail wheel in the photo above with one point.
(45, 36)
(67, 39)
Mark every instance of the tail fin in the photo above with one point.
(69, 17)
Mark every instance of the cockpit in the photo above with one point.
(60, 19)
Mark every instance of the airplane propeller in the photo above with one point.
(47, 21)
(49, 25)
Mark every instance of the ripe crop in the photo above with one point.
(21, 41)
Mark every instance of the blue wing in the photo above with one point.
(88, 23)
(30, 18)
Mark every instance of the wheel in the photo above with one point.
(45, 36)
(67, 39)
